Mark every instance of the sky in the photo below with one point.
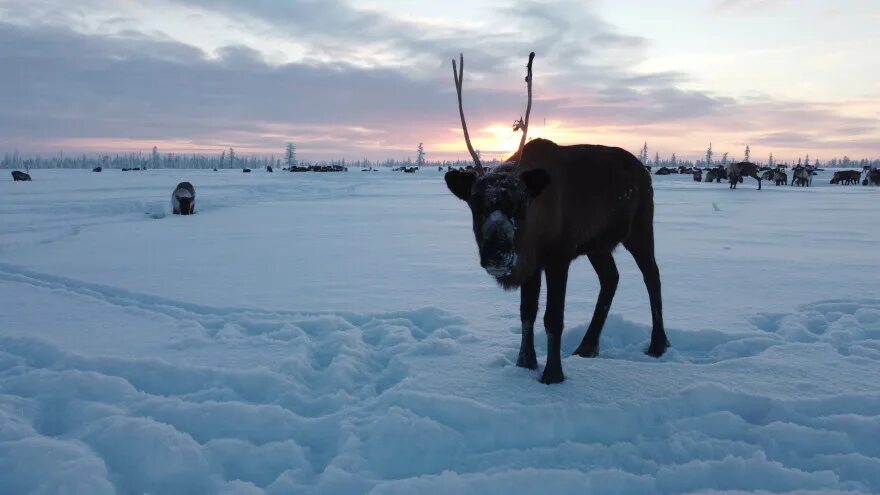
(372, 79)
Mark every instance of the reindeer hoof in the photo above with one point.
(551, 376)
(657, 349)
(586, 351)
(527, 360)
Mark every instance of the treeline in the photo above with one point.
(228, 159)
(225, 160)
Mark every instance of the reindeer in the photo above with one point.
(779, 177)
(547, 206)
(183, 199)
(18, 175)
(698, 174)
(716, 174)
(872, 178)
(802, 176)
(736, 172)
(847, 177)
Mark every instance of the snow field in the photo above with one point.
(335, 335)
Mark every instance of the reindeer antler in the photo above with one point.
(523, 125)
(459, 76)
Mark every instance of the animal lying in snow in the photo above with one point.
(18, 175)
(183, 199)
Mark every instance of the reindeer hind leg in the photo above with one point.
(606, 269)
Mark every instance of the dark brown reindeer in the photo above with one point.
(554, 204)
(847, 177)
(736, 171)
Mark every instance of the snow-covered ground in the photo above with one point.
(334, 333)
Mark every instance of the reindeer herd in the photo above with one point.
(802, 176)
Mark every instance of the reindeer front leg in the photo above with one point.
(528, 311)
(554, 318)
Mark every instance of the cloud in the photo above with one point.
(64, 84)
(128, 87)
(746, 5)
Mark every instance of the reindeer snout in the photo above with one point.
(498, 251)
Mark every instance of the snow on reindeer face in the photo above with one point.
(499, 203)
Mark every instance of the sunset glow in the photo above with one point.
(199, 77)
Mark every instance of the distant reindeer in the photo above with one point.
(269, 168)
(698, 174)
(779, 177)
(183, 199)
(872, 177)
(97, 169)
(18, 175)
(716, 174)
(802, 176)
(736, 172)
(551, 205)
(847, 177)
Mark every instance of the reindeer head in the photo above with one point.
(499, 200)
(499, 203)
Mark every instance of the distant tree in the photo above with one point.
(709, 155)
(673, 160)
(657, 159)
(724, 158)
(420, 155)
(231, 157)
(807, 161)
(748, 153)
(643, 156)
(290, 155)
(770, 161)
(154, 157)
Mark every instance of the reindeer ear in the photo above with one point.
(460, 183)
(536, 180)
